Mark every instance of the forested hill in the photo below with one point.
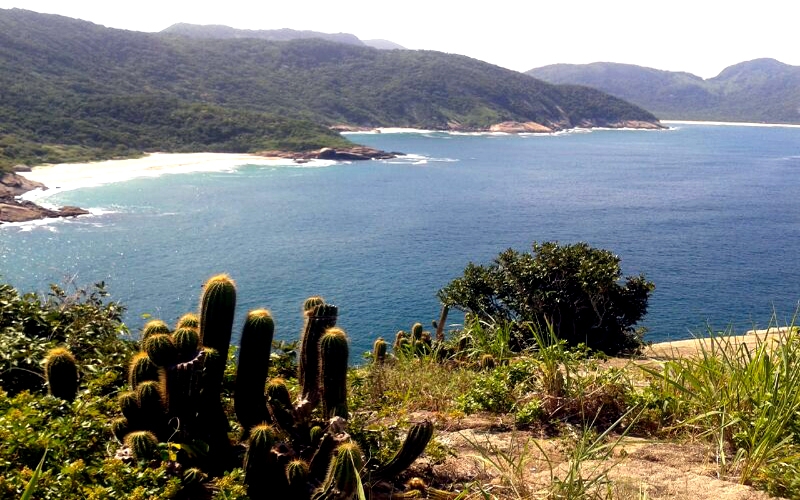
(762, 90)
(74, 83)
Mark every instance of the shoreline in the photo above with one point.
(732, 124)
(26, 192)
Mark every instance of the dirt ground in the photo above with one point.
(521, 464)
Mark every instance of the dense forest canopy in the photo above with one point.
(71, 85)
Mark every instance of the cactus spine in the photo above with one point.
(250, 401)
(417, 439)
(61, 373)
(333, 355)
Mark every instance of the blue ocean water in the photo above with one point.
(711, 214)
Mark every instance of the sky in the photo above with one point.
(698, 36)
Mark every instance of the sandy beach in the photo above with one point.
(68, 176)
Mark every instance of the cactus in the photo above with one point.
(417, 439)
(250, 401)
(379, 351)
(120, 427)
(400, 339)
(263, 476)
(344, 475)
(161, 349)
(312, 302)
(188, 320)
(154, 327)
(140, 369)
(143, 445)
(318, 320)
(297, 476)
(151, 406)
(187, 342)
(280, 404)
(217, 307)
(487, 362)
(129, 405)
(61, 373)
(333, 355)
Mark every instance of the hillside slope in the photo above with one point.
(762, 90)
(74, 83)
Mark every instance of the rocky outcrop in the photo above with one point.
(520, 128)
(12, 185)
(355, 153)
(14, 210)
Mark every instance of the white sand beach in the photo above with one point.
(68, 176)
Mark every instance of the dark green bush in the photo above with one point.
(83, 321)
(575, 288)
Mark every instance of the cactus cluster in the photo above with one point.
(289, 448)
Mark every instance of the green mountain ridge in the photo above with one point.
(74, 84)
(761, 90)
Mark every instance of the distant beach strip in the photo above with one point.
(69, 176)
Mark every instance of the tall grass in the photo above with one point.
(745, 397)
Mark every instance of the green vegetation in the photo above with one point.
(180, 419)
(73, 90)
(574, 288)
(763, 90)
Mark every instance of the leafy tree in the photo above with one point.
(575, 288)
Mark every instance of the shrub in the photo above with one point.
(575, 288)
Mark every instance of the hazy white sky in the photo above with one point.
(698, 36)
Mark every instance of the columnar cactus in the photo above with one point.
(188, 320)
(318, 320)
(217, 307)
(141, 369)
(250, 402)
(344, 474)
(379, 351)
(290, 451)
(61, 373)
(187, 342)
(416, 331)
(333, 356)
(161, 349)
(487, 362)
(154, 327)
(143, 445)
(415, 443)
(297, 476)
(263, 475)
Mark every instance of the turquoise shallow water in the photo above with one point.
(711, 214)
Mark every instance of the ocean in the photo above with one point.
(709, 213)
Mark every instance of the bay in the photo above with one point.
(710, 213)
